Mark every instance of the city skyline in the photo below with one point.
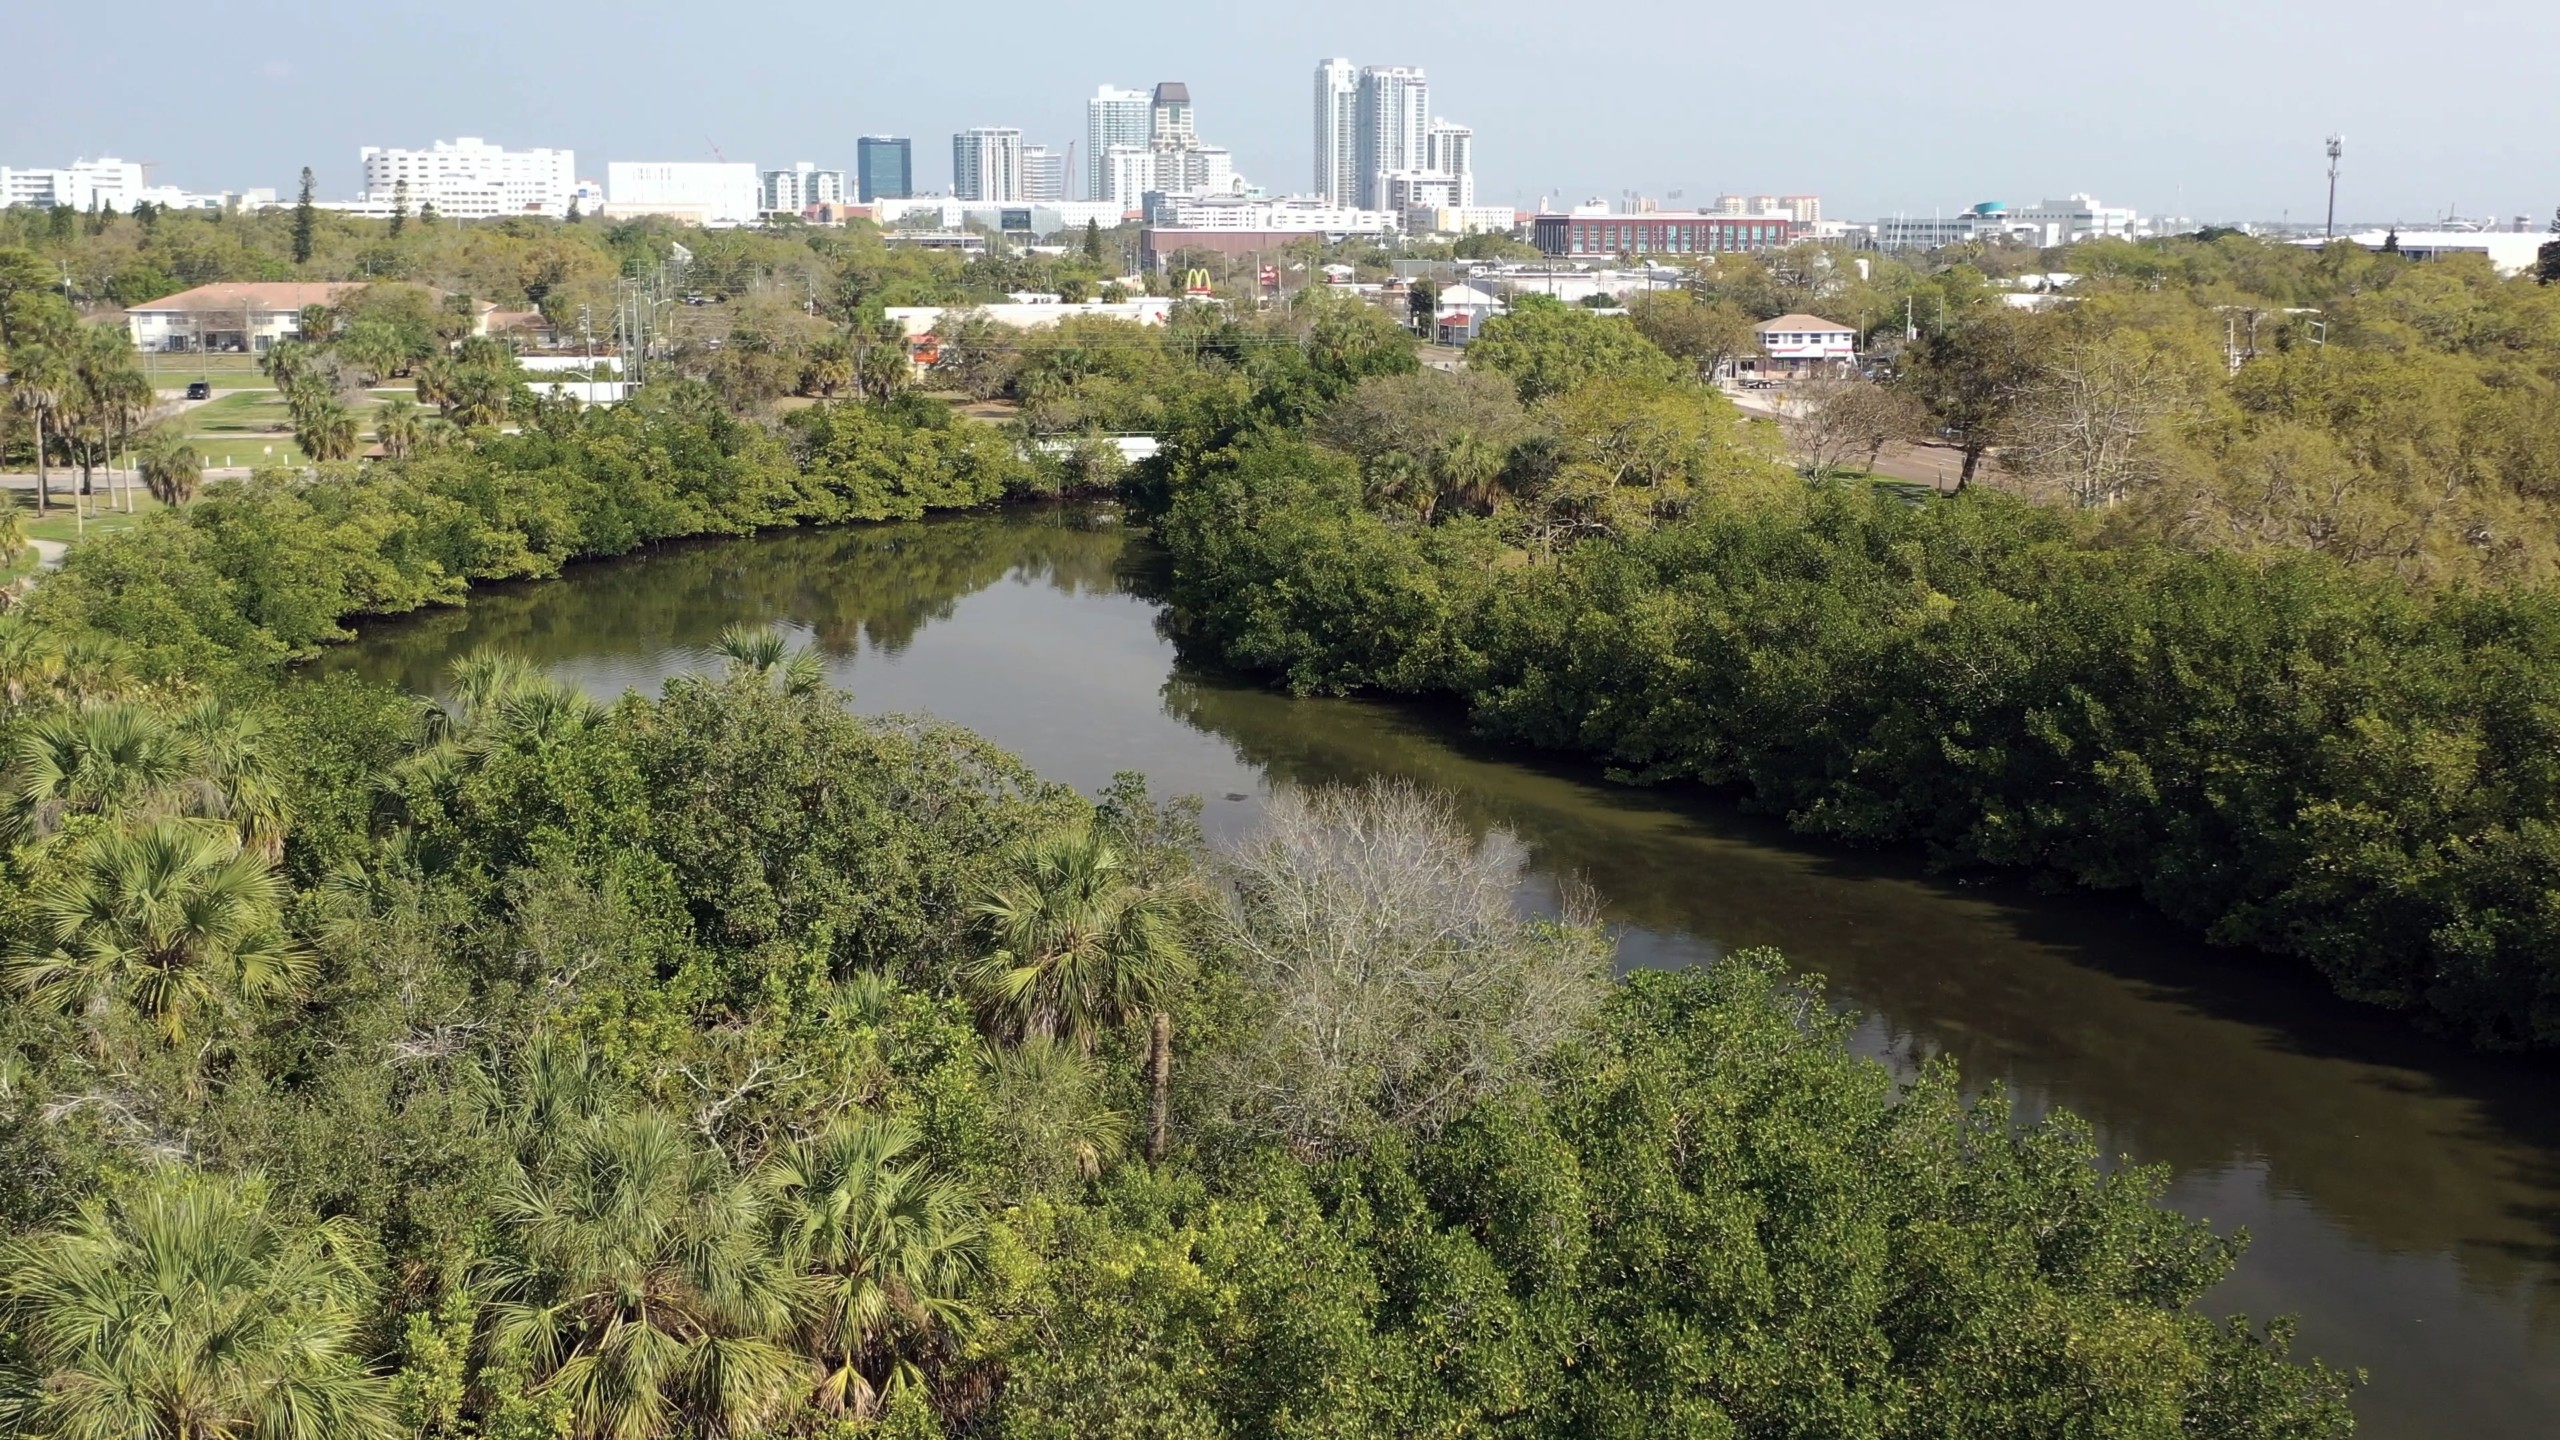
(2214, 130)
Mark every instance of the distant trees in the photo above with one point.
(1548, 348)
(1709, 334)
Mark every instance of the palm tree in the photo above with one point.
(13, 534)
(236, 779)
(88, 760)
(1467, 469)
(888, 1249)
(396, 425)
(830, 366)
(109, 395)
(40, 383)
(640, 1284)
(1050, 1099)
(173, 918)
(1081, 949)
(171, 468)
(762, 652)
(189, 1309)
(287, 362)
(325, 428)
(28, 662)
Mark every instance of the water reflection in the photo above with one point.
(2403, 1195)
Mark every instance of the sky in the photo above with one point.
(2214, 109)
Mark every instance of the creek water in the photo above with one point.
(2403, 1197)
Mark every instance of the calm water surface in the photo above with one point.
(2402, 1196)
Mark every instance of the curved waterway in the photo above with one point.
(2403, 1197)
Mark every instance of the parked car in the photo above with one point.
(199, 389)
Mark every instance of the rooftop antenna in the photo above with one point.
(2337, 147)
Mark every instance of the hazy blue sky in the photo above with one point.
(2216, 105)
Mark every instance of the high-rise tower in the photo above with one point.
(1392, 120)
(1112, 117)
(1337, 149)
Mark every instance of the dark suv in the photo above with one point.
(199, 389)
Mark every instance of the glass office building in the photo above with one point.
(886, 168)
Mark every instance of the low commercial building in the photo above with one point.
(1157, 245)
(1020, 217)
(958, 242)
(1296, 216)
(471, 179)
(922, 320)
(2511, 253)
(2045, 223)
(243, 316)
(1804, 345)
(1462, 220)
(84, 185)
(1460, 312)
(698, 192)
(1659, 232)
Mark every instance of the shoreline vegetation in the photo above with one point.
(722, 1063)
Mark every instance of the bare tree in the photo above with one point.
(2091, 419)
(1396, 976)
(1829, 423)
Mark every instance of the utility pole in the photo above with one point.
(2337, 147)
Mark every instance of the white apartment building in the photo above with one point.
(471, 179)
(1393, 122)
(700, 192)
(1128, 173)
(1044, 174)
(986, 163)
(1113, 118)
(82, 185)
(1451, 150)
(1337, 148)
(1404, 190)
(789, 192)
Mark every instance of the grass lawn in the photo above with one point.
(61, 525)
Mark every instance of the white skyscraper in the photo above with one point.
(1393, 119)
(1337, 150)
(1112, 117)
(1451, 150)
(986, 164)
